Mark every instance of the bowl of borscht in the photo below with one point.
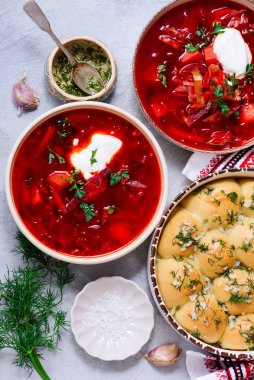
(194, 74)
(86, 183)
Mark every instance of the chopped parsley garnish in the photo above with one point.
(192, 48)
(223, 107)
(217, 201)
(94, 85)
(117, 177)
(184, 238)
(249, 72)
(93, 159)
(76, 184)
(208, 190)
(246, 246)
(231, 217)
(178, 258)
(88, 210)
(203, 247)
(237, 114)
(201, 31)
(111, 210)
(218, 28)
(62, 133)
(231, 82)
(248, 334)
(191, 283)
(237, 298)
(232, 196)
(196, 334)
(52, 155)
(218, 92)
(64, 123)
(161, 69)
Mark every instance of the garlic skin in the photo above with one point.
(164, 356)
(24, 96)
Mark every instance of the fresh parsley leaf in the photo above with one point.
(232, 196)
(249, 72)
(237, 114)
(223, 107)
(76, 184)
(196, 334)
(64, 122)
(88, 210)
(209, 190)
(111, 210)
(218, 28)
(249, 68)
(237, 298)
(161, 69)
(192, 48)
(62, 133)
(218, 91)
(203, 247)
(117, 177)
(201, 31)
(231, 82)
(52, 155)
(93, 159)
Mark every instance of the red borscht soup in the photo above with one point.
(86, 182)
(194, 74)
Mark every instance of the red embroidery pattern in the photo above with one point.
(221, 375)
(210, 363)
(248, 162)
(213, 162)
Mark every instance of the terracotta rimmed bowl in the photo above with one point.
(129, 246)
(173, 4)
(151, 269)
(85, 42)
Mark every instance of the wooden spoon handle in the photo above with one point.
(33, 10)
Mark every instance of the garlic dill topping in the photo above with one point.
(206, 268)
(82, 52)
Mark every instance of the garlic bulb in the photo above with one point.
(24, 96)
(164, 355)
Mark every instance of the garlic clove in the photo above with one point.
(164, 355)
(24, 96)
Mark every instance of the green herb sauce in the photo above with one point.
(82, 53)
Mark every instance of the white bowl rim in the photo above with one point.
(151, 272)
(161, 12)
(127, 282)
(86, 260)
(107, 52)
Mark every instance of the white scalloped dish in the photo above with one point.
(112, 318)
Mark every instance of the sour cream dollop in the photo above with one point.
(104, 148)
(232, 52)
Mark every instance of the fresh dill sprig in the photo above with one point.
(40, 261)
(30, 319)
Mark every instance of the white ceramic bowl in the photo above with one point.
(112, 318)
(152, 256)
(128, 247)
